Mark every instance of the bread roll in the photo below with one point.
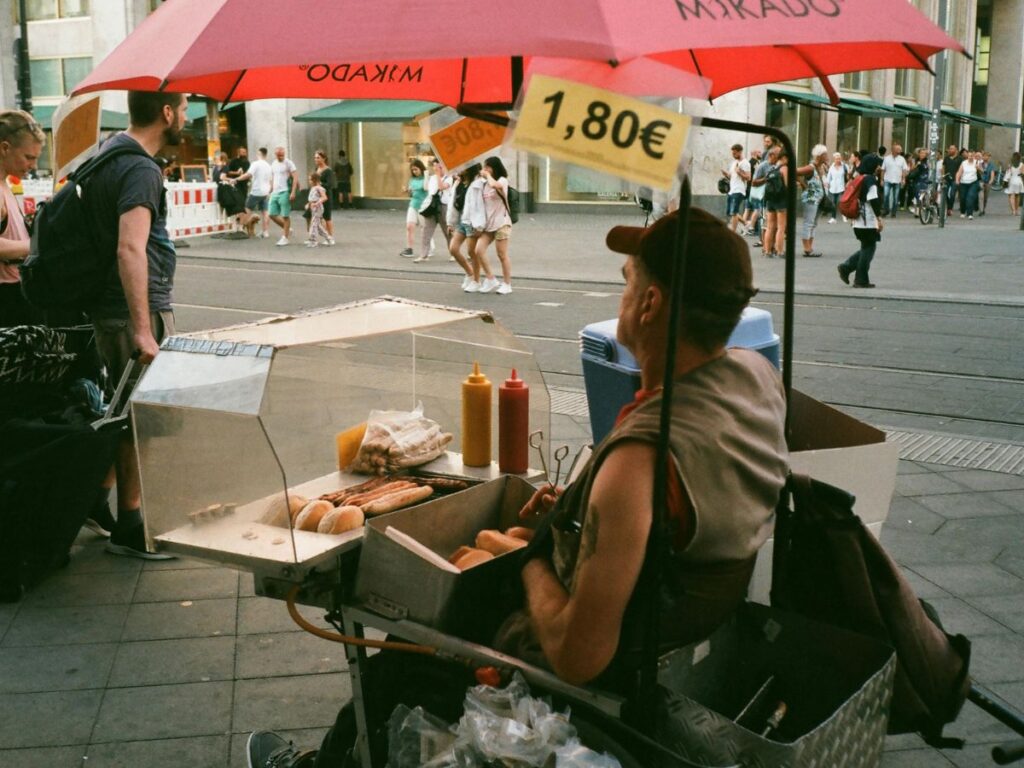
(472, 558)
(311, 515)
(520, 532)
(296, 504)
(341, 519)
(498, 543)
(459, 553)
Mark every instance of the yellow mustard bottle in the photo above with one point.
(476, 419)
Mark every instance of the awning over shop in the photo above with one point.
(368, 111)
(109, 120)
(869, 108)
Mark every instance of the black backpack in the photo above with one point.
(512, 204)
(774, 184)
(66, 267)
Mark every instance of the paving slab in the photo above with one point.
(185, 618)
(66, 589)
(89, 556)
(43, 757)
(962, 505)
(959, 617)
(909, 514)
(8, 612)
(158, 662)
(984, 531)
(926, 485)
(70, 625)
(914, 758)
(185, 585)
(981, 480)
(998, 658)
(969, 579)
(164, 712)
(1006, 609)
(1012, 499)
(205, 751)
(51, 719)
(286, 654)
(55, 668)
(261, 615)
(280, 703)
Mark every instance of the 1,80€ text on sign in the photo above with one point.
(602, 130)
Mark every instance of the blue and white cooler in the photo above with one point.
(612, 376)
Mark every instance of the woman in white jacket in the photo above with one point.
(467, 223)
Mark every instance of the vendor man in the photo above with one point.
(728, 466)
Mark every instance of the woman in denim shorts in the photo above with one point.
(498, 225)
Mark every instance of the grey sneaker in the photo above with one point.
(132, 543)
(265, 749)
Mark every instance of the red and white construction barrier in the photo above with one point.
(193, 211)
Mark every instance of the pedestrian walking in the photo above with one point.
(967, 180)
(867, 227)
(755, 197)
(917, 181)
(988, 175)
(460, 227)
(894, 175)
(259, 176)
(775, 181)
(1013, 183)
(284, 183)
(326, 176)
(430, 210)
(497, 226)
(316, 203)
(738, 174)
(416, 188)
(21, 141)
(950, 166)
(835, 183)
(812, 195)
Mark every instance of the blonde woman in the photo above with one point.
(21, 141)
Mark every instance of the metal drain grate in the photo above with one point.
(960, 452)
(569, 402)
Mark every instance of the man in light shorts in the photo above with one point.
(284, 181)
(259, 175)
(738, 175)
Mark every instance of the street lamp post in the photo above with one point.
(936, 121)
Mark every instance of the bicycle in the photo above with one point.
(927, 204)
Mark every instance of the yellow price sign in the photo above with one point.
(603, 130)
(465, 140)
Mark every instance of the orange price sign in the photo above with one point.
(464, 140)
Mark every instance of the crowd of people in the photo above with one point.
(755, 186)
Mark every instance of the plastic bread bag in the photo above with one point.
(417, 739)
(396, 440)
(575, 755)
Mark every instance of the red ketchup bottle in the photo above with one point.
(513, 425)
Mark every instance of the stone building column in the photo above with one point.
(1006, 77)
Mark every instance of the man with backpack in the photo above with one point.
(862, 204)
(132, 313)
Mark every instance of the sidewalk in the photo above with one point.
(112, 662)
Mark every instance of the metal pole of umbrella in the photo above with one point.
(645, 704)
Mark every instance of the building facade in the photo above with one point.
(979, 97)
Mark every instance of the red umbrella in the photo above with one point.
(250, 49)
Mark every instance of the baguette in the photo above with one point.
(398, 499)
(341, 519)
(311, 515)
(472, 558)
(498, 543)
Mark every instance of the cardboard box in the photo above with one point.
(836, 448)
(396, 583)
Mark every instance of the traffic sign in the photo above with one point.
(603, 130)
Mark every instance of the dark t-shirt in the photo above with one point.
(119, 186)
(950, 165)
(236, 167)
(327, 179)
